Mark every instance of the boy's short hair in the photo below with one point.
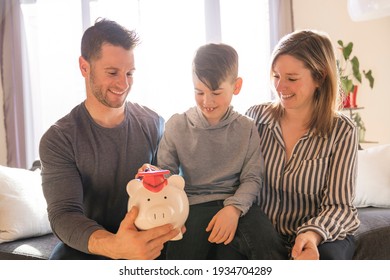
(215, 63)
(106, 31)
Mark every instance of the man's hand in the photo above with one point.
(223, 225)
(305, 247)
(129, 243)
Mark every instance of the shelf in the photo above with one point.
(366, 144)
(351, 109)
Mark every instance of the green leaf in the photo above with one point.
(347, 50)
(346, 85)
(369, 77)
(355, 69)
(346, 77)
(358, 121)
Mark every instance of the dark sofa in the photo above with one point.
(373, 235)
(35, 248)
(373, 239)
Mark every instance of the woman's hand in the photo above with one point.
(305, 247)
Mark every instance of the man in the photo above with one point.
(89, 156)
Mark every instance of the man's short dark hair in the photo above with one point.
(106, 31)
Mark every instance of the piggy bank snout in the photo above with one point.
(159, 214)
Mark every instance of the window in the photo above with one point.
(53, 31)
(170, 30)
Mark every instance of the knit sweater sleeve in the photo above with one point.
(167, 157)
(250, 177)
(65, 207)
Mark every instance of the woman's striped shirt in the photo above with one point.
(315, 188)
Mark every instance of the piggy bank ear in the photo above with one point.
(133, 186)
(176, 181)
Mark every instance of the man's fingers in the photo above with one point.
(128, 221)
(156, 240)
(161, 233)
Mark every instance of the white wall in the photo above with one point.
(371, 45)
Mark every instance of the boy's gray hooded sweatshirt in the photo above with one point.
(217, 162)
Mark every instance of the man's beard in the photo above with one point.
(98, 93)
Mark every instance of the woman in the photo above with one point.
(310, 151)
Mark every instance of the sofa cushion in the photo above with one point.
(22, 204)
(373, 235)
(373, 177)
(29, 248)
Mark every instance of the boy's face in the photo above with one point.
(215, 103)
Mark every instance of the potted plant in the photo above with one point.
(360, 126)
(350, 74)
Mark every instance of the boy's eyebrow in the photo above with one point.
(212, 90)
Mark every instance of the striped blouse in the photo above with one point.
(315, 188)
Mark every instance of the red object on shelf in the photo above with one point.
(347, 101)
(353, 95)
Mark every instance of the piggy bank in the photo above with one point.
(159, 200)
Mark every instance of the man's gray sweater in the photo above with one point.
(86, 168)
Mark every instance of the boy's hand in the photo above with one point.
(223, 225)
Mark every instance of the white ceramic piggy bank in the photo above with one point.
(159, 200)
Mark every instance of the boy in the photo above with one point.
(217, 152)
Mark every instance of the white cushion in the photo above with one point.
(373, 177)
(22, 204)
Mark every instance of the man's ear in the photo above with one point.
(237, 86)
(84, 66)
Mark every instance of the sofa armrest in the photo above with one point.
(373, 235)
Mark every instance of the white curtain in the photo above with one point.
(15, 81)
(281, 19)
